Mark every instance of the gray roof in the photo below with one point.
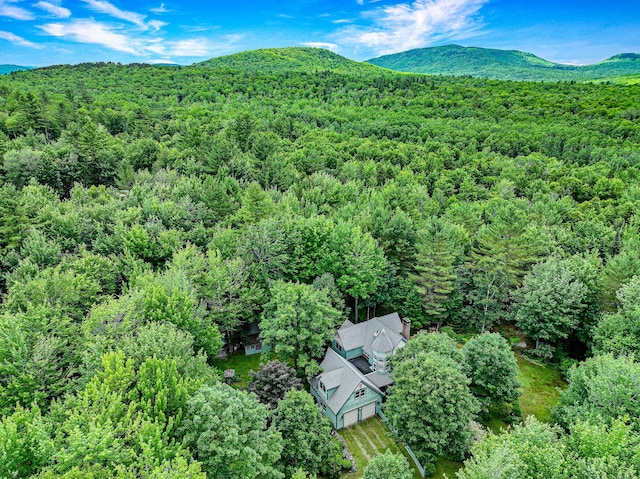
(380, 380)
(332, 379)
(362, 335)
(336, 369)
(382, 343)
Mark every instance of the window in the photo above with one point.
(360, 393)
(338, 346)
(323, 406)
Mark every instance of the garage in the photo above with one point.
(368, 410)
(350, 417)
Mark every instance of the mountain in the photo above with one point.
(12, 68)
(305, 59)
(504, 64)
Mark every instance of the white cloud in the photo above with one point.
(103, 6)
(405, 26)
(326, 45)
(157, 24)
(56, 10)
(188, 48)
(16, 40)
(90, 31)
(161, 61)
(17, 13)
(159, 9)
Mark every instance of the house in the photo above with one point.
(355, 370)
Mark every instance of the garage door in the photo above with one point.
(350, 418)
(368, 410)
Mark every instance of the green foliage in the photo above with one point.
(537, 449)
(38, 354)
(25, 443)
(431, 407)
(490, 365)
(298, 322)
(601, 390)
(425, 342)
(439, 245)
(170, 298)
(502, 64)
(619, 333)
(164, 341)
(256, 205)
(502, 251)
(124, 417)
(550, 302)
(148, 224)
(388, 466)
(306, 436)
(355, 260)
(303, 59)
(226, 430)
(272, 381)
(11, 219)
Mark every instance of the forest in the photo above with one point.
(509, 65)
(150, 214)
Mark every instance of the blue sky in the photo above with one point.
(45, 32)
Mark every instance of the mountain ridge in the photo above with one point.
(498, 64)
(273, 60)
(7, 68)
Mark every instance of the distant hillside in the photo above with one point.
(290, 59)
(504, 64)
(12, 68)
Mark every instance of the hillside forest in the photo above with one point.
(149, 215)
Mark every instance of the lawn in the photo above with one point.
(367, 440)
(242, 364)
(539, 388)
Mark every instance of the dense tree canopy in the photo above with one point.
(227, 430)
(147, 213)
(601, 389)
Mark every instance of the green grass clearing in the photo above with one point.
(368, 439)
(539, 389)
(445, 466)
(242, 364)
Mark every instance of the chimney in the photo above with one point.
(406, 328)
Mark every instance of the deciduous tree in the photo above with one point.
(491, 366)
(306, 436)
(272, 381)
(298, 322)
(431, 407)
(388, 466)
(227, 431)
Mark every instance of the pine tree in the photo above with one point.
(439, 245)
